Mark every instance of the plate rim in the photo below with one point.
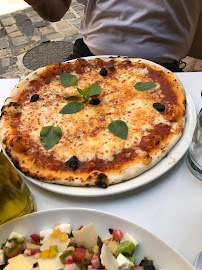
(98, 212)
(129, 184)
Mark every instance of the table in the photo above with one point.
(170, 207)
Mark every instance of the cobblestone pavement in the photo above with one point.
(23, 30)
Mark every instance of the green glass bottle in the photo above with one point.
(15, 198)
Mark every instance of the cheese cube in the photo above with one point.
(123, 262)
(14, 235)
(128, 237)
(64, 228)
(2, 257)
(44, 235)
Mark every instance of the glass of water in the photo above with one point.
(194, 158)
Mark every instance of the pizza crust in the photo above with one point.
(121, 159)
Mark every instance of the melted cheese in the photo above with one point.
(87, 130)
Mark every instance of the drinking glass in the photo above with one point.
(15, 197)
(194, 158)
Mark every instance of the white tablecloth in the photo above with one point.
(170, 206)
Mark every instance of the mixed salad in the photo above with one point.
(63, 248)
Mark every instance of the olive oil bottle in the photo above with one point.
(15, 197)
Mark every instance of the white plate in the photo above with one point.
(150, 246)
(159, 169)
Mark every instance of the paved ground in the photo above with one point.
(23, 30)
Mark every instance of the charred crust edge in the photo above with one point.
(102, 180)
(15, 104)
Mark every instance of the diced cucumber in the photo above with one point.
(126, 247)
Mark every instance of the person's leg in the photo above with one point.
(80, 49)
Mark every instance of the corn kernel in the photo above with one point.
(55, 233)
(63, 237)
(44, 254)
(52, 252)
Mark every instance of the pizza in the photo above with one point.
(94, 121)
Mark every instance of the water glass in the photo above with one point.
(194, 158)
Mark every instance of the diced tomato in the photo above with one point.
(35, 237)
(78, 229)
(79, 254)
(139, 268)
(117, 234)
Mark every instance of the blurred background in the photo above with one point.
(28, 42)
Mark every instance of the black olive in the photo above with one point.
(94, 101)
(159, 107)
(73, 163)
(148, 265)
(112, 68)
(34, 98)
(99, 243)
(103, 72)
(110, 231)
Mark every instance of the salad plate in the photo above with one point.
(150, 246)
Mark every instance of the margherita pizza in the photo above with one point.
(92, 122)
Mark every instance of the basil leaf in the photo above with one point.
(143, 86)
(71, 108)
(50, 136)
(119, 129)
(74, 96)
(80, 91)
(92, 90)
(67, 79)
